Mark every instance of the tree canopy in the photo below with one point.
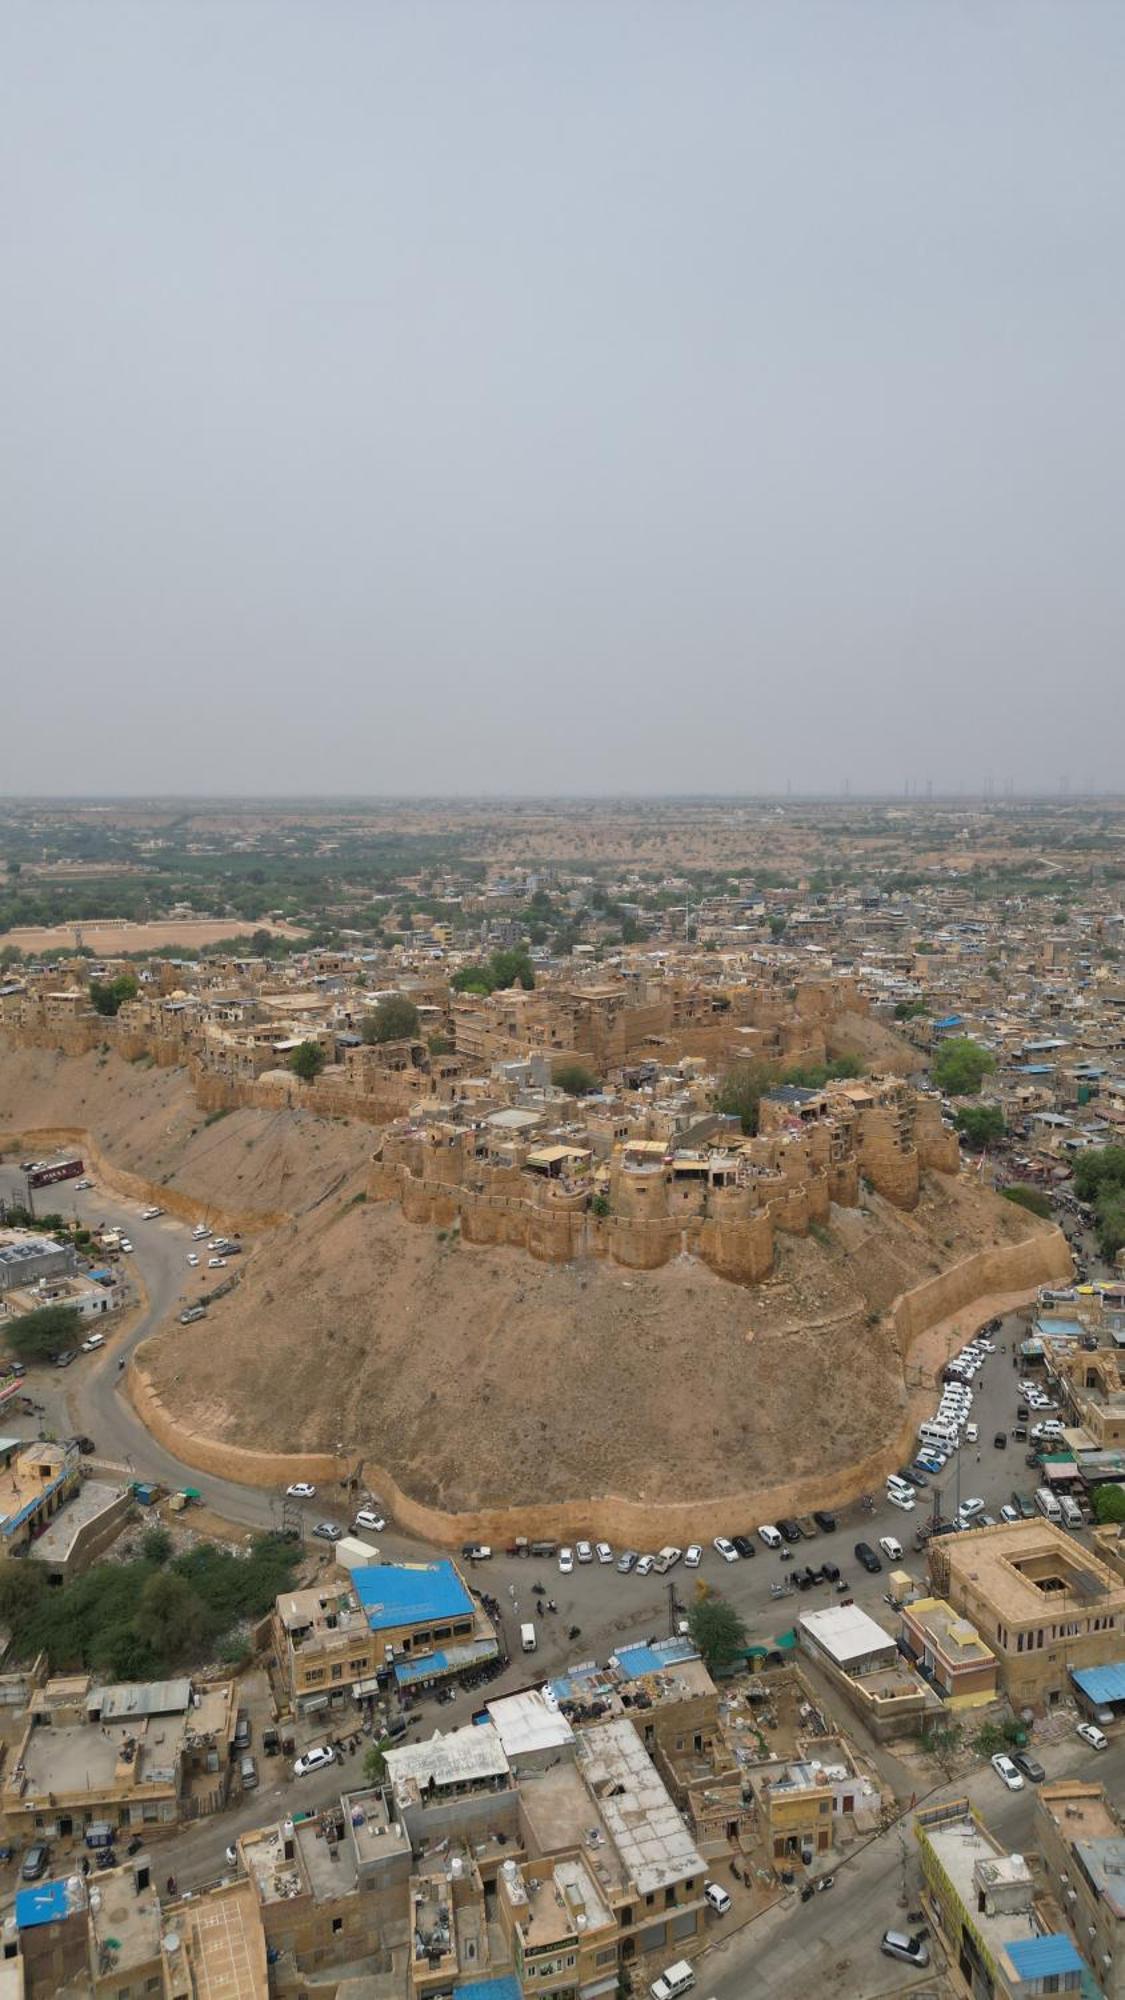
(1099, 1177)
(717, 1630)
(503, 969)
(1033, 1199)
(395, 1019)
(574, 1078)
(981, 1125)
(1109, 1503)
(307, 1061)
(36, 1336)
(961, 1065)
(108, 995)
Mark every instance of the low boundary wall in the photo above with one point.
(933, 1316)
(134, 1187)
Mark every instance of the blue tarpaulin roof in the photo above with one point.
(44, 1904)
(506, 1987)
(1039, 1957)
(410, 1594)
(641, 1659)
(444, 1660)
(1101, 1684)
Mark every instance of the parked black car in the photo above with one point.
(825, 1522)
(790, 1530)
(1030, 1766)
(35, 1862)
(743, 1544)
(917, 1479)
(830, 1572)
(1001, 1441)
(867, 1556)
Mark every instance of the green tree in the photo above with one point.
(156, 1546)
(511, 968)
(439, 1045)
(1099, 1166)
(472, 979)
(961, 1065)
(22, 1586)
(717, 1630)
(170, 1617)
(1031, 1198)
(574, 1078)
(107, 996)
(375, 1761)
(910, 1010)
(741, 1089)
(261, 944)
(1109, 1503)
(778, 927)
(981, 1125)
(307, 1061)
(395, 1020)
(35, 1336)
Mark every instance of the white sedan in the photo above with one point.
(314, 1760)
(603, 1552)
(726, 1549)
(192, 1259)
(584, 1552)
(216, 1263)
(1007, 1772)
(1091, 1734)
(566, 1561)
(692, 1556)
(300, 1490)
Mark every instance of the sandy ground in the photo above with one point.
(146, 1121)
(106, 939)
(477, 1376)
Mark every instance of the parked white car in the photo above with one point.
(726, 1549)
(584, 1552)
(603, 1552)
(1091, 1734)
(891, 1548)
(1007, 1773)
(369, 1517)
(300, 1490)
(692, 1556)
(192, 1258)
(314, 1760)
(566, 1561)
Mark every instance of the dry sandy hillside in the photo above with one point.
(477, 1375)
(880, 1049)
(146, 1121)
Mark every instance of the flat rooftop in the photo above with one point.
(220, 1938)
(472, 1756)
(957, 1640)
(960, 1844)
(1024, 1569)
(127, 1926)
(375, 1836)
(655, 1847)
(91, 1756)
(564, 1904)
(396, 1594)
(528, 1723)
(845, 1632)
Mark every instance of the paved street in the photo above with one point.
(832, 1939)
(830, 1945)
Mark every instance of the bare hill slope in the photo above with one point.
(477, 1376)
(146, 1121)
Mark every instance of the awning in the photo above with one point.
(361, 1689)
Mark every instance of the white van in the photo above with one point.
(770, 1536)
(1048, 1505)
(527, 1638)
(674, 1980)
(946, 1434)
(1071, 1511)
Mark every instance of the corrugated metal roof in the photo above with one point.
(1101, 1684)
(410, 1594)
(131, 1698)
(1039, 1957)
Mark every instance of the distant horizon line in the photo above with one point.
(836, 798)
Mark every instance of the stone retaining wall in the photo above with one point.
(134, 1187)
(935, 1313)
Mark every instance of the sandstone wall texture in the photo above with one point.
(935, 1315)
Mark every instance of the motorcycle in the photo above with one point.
(575, 1632)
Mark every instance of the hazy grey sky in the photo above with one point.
(561, 395)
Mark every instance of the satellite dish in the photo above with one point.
(171, 1942)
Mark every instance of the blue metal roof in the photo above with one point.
(444, 1660)
(44, 1904)
(636, 1660)
(577, 1682)
(1101, 1684)
(507, 1987)
(1039, 1957)
(411, 1594)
